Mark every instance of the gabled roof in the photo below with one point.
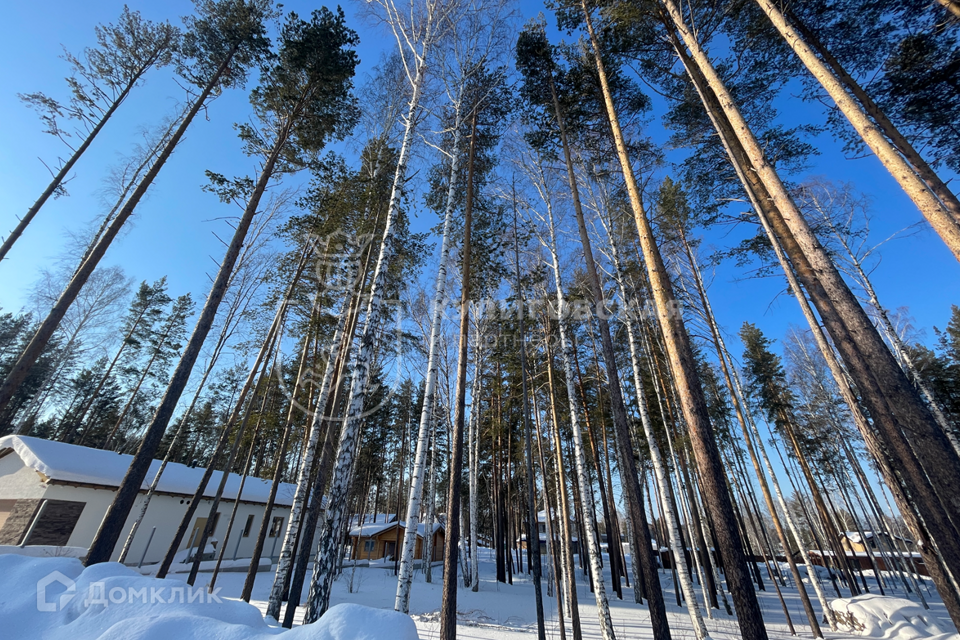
(369, 530)
(371, 519)
(854, 536)
(63, 463)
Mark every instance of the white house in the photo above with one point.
(59, 493)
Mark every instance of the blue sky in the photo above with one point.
(173, 231)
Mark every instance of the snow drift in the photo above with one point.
(885, 617)
(58, 599)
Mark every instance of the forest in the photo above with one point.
(480, 285)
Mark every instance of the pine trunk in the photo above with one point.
(893, 405)
(926, 173)
(61, 175)
(50, 324)
(936, 213)
(693, 402)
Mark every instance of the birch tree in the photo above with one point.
(351, 276)
(476, 40)
(540, 183)
(417, 33)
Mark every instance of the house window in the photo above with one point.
(276, 526)
(248, 526)
(369, 545)
(55, 521)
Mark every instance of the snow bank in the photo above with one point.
(57, 599)
(885, 617)
(44, 551)
(356, 622)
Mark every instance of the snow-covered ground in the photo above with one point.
(506, 612)
(497, 612)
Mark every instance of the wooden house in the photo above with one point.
(542, 528)
(384, 541)
(853, 541)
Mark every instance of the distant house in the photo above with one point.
(542, 527)
(853, 541)
(913, 561)
(57, 494)
(379, 541)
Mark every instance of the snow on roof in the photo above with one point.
(376, 529)
(72, 463)
(542, 517)
(370, 518)
(854, 536)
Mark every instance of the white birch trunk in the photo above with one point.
(300, 495)
(472, 446)
(405, 579)
(431, 502)
(325, 565)
(465, 562)
(586, 495)
(664, 486)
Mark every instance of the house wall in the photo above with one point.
(19, 482)
(380, 547)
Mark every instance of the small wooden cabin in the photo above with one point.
(853, 541)
(380, 541)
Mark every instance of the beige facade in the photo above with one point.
(66, 511)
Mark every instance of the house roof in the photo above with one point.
(371, 519)
(854, 536)
(542, 517)
(72, 464)
(369, 530)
